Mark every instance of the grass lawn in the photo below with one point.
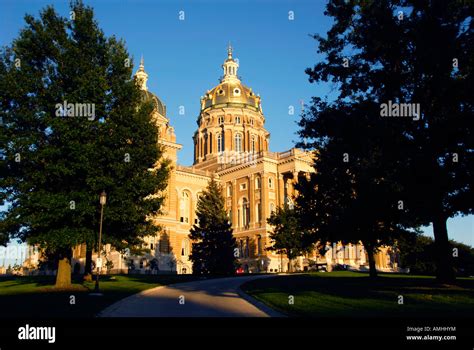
(352, 294)
(35, 297)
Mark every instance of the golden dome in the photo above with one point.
(230, 92)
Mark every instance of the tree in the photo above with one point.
(410, 54)
(58, 158)
(417, 252)
(213, 245)
(287, 236)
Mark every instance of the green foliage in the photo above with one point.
(67, 161)
(287, 236)
(213, 243)
(417, 252)
(367, 163)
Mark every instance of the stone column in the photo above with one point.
(234, 204)
(280, 188)
(263, 196)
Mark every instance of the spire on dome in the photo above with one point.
(230, 66)
(229, 52)
(141, 75)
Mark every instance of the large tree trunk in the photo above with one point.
(372, 267)
(444, 263)
(88, 263)
(63, 276)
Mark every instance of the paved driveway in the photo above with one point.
(219, 297)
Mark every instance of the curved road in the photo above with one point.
(220, 297)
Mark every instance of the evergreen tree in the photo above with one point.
(395, 51)
(213, 247)
(55, 164)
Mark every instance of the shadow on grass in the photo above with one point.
(36, 297)
(355, 294)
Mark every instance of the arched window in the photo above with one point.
(220, 143)
(238, 143)
(184, 207)
(257, 183)
(252, 144)
(164, 243)
(270, 182)
(259, 245)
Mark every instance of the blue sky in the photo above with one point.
(183, 58)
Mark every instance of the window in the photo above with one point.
(270, 182)
(220, 120)
(243, 186)
(151, 246)
(259, 245)
(245, 213)
(258, 212)
(247, 247)
(229, 190)
(238, 143)
(272, 208)
(185, 247)
(252, 144)
(236, 92)
(257, 183)
(184, 207)
(220, 144)
(251, 121)
(220, 92)
(164, 243)
(237, 120)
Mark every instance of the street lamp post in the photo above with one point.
(102, 200)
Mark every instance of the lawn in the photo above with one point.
(35, 297)
(352, 294)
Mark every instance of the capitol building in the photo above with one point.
(232, 145)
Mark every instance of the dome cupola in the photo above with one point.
(230, 92)
(142, 77)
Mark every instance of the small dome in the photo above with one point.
(159, 105)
